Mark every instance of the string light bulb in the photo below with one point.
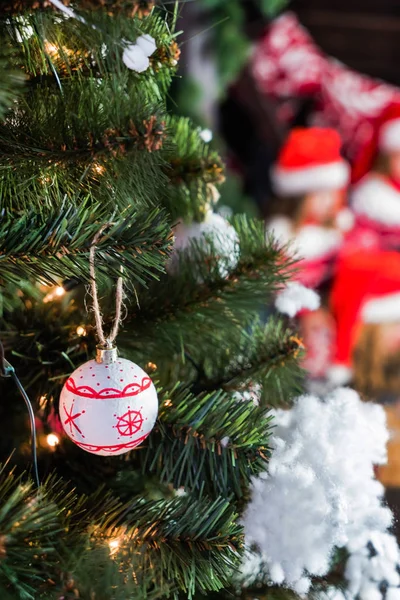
(98, 168)
(113, 545)
(50, 48)
(80, 330)
(53, 440)
(56, 292)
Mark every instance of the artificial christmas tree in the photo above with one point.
(94, 176)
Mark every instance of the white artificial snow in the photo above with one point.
(296, 297)
(378, 200)
(320, 493)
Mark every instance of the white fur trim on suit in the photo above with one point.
(389, 136)
(289, 182)
(310, 242)
(375, 198)
(384, 309)
(314, 242)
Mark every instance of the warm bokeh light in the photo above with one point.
(80, 330)
(52, 440)
(99, 168)
(42, 401)
(113, 545)
(56, 292)
(50, 48)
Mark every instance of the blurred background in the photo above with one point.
(303, 100)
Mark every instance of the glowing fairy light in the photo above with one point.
(42, 401)
(50, 48)
(52, 440)
(80, 330)
(57, 292)
(114, 546)
(99, 168)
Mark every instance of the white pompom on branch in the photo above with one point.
(295, 297)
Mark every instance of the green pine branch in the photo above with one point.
(11, 81)
(207, 442)
(193, 166)
(55, 243)
(200, 307)
(267, 354)
(54, 541)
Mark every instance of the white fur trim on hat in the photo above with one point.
(389, 136)
(339, 374)
(377, 199)
(384, 309)
(289, 182)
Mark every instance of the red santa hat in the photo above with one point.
(366, 289)
(385, 137)
(310, 160)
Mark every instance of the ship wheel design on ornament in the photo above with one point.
(130, 422)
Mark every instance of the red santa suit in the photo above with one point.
(366, 289)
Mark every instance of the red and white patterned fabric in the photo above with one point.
(288, 64)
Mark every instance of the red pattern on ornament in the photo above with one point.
(85, 391)
(70, 420)
(114, 448)
(130, 422)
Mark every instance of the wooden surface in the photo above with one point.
(389, 474)
(364, 34)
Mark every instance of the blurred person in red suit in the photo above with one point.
(310, 181)
(365, 301)
(375, 197)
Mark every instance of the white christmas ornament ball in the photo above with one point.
(108, 406)
(213, 233)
